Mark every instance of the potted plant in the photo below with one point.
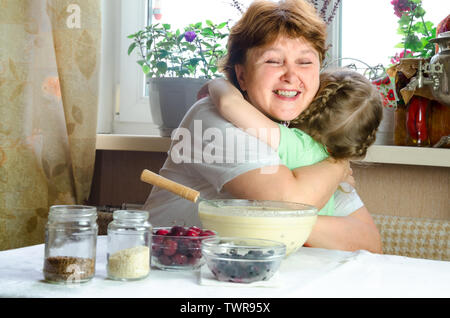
(177, 63)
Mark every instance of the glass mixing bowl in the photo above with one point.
(286, 222)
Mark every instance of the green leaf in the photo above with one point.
(220, 26)
(145, 69)
(207, 32)
(131, 47)
(166, 26)
(162, 67)
(404, 20)
(419, 12)
(209, 22)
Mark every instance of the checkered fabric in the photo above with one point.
(414, 237)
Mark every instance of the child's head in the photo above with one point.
(345, 114)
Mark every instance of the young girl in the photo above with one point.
(341, 121)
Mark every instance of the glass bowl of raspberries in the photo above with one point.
(178, 247)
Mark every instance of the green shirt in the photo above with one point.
(298, 149)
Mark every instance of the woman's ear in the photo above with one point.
(240, 70)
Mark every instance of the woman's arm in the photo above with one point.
(278, 183)
(350, 233)
(234, 108)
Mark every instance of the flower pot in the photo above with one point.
(171, 97)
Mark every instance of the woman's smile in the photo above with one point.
(287, 94)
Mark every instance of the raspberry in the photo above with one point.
(191, 232)
(196, 253)
(177, 230)
(207, 233)
(179, 259)
(156, 249)
(170, 247)
(196, 229)
(162, 232)
(165, 260)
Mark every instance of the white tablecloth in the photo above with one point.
(310, 272)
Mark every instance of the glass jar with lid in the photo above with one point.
(70, 244)
(129, 238)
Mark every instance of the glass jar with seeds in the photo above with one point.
(129, 238)
(70, 244)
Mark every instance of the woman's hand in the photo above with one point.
(347, 176)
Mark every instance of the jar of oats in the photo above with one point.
(70, 244)
(129, 238)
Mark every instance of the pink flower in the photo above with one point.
(401, 6)
(396, 58)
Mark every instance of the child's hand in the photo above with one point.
(203, 92)
(223, 93)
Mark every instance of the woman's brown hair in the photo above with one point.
(264, 21)
(345, 114)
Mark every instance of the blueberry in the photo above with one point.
(252, 271)
(231, 271)
(233, 252)
(253, 254)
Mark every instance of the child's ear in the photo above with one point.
(240, 76)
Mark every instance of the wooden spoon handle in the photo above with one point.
(172, 186)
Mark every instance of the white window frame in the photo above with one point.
(122, 107)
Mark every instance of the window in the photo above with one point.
(368, 29)
(364, 30)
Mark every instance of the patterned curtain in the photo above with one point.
(49, 73)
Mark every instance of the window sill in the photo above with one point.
(438, 157)
(152, 143)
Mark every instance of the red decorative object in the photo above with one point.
(416, 121)
(443, 26)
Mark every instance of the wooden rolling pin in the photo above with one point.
(169, 185)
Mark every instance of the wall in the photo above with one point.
(391, 189)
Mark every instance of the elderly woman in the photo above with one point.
(274, 56)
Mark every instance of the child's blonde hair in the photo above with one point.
(345, 114)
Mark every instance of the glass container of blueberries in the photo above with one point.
(242, 260)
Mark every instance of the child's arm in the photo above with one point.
(316, 182)
(233, 107)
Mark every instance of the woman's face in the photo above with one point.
(281, 78)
